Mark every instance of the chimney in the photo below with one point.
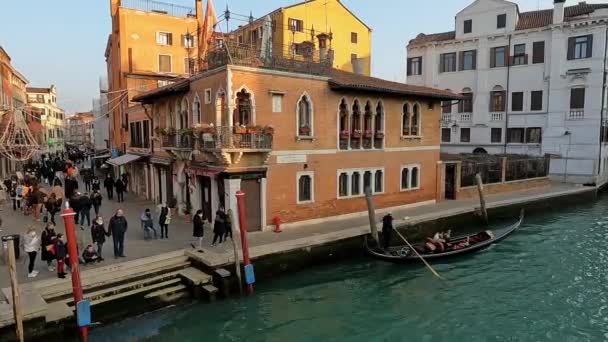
(199, 10)
(558, 11)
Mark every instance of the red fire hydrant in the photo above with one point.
(277, 224)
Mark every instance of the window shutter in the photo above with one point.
(409, 67)
(184, 40)
(474, 59)
(170, 39)
(590, 46)
(419, 71)
(526, 59)
(571, 42)
(504, 100)
(493, 58)
(461, 61)
(441, 63)
(491, 101)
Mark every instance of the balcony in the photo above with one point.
(231, 139)
(465, 117)
(446, 119)
(159, 7)
(178, 141)
(576, 114)
(497, 116)
(308, 61)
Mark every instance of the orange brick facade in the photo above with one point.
(318, 155)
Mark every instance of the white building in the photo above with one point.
(52, 117)
(535, 81)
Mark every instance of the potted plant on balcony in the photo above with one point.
(160, 131)
(171, 131)
(240, 129)
(254, 129)
(368, 134)
(269, 129)
(304, 131)
(379, 135)
(344, 135)
(356, 133)
(186, 132)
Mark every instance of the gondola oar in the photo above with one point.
(418, 254)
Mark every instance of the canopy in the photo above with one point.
(102, 156)
(124, 159)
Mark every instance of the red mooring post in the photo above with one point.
(240, 200)
(70, 232)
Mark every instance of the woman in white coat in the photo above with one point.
(31, 245)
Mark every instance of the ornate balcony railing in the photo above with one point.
(466, 117)
(179, 141)
(236, 138)
(576, 114)
(159, 7)
(496, 116)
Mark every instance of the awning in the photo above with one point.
(103, 156)
(124, 159)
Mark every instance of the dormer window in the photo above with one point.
(501, 21)
(468, 26)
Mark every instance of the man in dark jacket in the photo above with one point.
(96, 199)
(85, 210)
(118, 228)
(108, 183)
(120, 189)
(76, 205)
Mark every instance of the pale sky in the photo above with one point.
(62, 42)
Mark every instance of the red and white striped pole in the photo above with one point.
(70, 232)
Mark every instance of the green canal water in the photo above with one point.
(547, 282)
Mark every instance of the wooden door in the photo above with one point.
(450, 181)
(253, 209)
(205, 186)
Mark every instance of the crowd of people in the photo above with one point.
(42, 188)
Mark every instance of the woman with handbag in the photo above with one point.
(48, 238)
(164, 220)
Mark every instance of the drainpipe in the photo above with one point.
(599, 165)
(507, 97)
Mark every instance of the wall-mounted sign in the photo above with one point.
(291, 159)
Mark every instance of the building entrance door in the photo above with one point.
(253, 209)
(450, 181)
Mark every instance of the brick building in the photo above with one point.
(302, 146)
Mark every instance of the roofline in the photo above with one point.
(335, 86)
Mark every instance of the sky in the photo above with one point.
(62, 42)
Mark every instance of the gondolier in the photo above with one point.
(387, 230)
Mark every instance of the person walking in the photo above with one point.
(198, 228)
(96, 199)
(18, 195)
(85, 210)
(125, 180)
(37, 201)
(98, 235)
(219, 226)
(108, 183)
(52, 207)
(387, 230)
(227, 227)
(147, 224)
(58, 191)
(13, 194)
(31, 245)
(120, 189)
(75, 204)
(95, 185)
(61, 251)
(117, 229)
(88, 179)
(48, 239)
(164, 219)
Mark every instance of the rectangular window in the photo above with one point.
(497, 101)
(189, 66)
(355, 182)
(277, 103)
(448, 62)
(498, 57)
(515, 135)
(517, 101)
(496, 135)
(534, 135)
(501, 21)
(536, 101)
(354, 38)
(414, 66)
(446, 135)
(580, 47)
(305, 187)
(466, 105)
(577, 98)
(446, 107)
(164, 38)
(465, 135)
(187, 41)
(296, 25)
(353, 58)
(146, 137)
(468, 26)
(468, 60)
(164, 63)
(519, 55)
(538, 52)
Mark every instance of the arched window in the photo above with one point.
(344, 132)
(356, 122)
(379, 182)
(405, 176)
(305, 117)
(406, 120)
(244, 110)
(183, 114)
(305, 188)
(169, 118)
(414, 180)
(415, 126)
(379, 118)
(367, 118)
(355, 181)
(197, 116)
(343, 185)
(497, 99)
(367, 180)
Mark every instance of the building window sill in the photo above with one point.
(412, 137)
(305, 202)
(411, 189)
(305, 138)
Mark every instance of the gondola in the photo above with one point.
(483, 240)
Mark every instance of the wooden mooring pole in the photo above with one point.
(237, 262)
(482, 199)
(12, 267)
(371, 213)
